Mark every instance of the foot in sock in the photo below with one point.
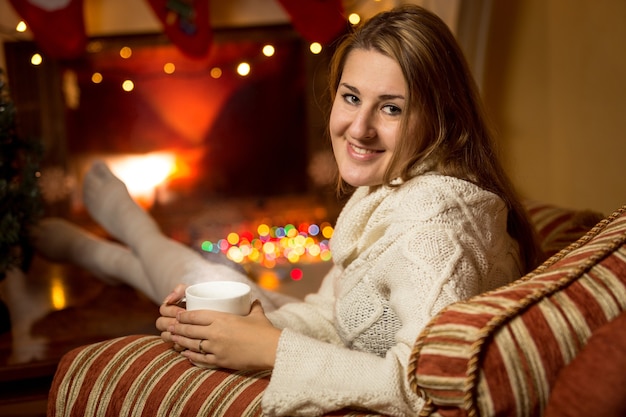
(109, 203)
(61, 241)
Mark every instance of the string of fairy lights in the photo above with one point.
(270, 246)
(243, 68)
(278, 252)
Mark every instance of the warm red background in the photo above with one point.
(239, 135)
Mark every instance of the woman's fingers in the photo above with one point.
(176, 296)
(190, 331)
(168, 317)
(196, 345)
(206, 360)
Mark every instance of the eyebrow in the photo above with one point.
(383, 97)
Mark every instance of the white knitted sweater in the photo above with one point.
(400, 255)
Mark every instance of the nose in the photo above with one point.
(363, 125)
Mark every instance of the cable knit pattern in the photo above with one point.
(401, 255)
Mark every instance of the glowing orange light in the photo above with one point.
(269, 263)
(57, 295)
(169, 68)
(269, 281)
(143, 173)
(216, 72)
(126, 52)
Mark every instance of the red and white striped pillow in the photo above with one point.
(500, 353)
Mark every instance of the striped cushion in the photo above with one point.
(594, 383)
(557, 227)
(143, 376)
(500, 352)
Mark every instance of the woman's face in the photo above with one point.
(365, 117)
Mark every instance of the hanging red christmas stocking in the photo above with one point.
(186, 23)
(316, 20)
(58, 26)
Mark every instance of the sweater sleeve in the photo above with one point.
(313, 317)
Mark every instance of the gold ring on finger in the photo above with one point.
(200, 347)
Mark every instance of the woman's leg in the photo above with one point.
(165, 261)
(61, 241)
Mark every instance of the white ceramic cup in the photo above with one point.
(226, 296)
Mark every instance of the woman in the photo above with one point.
(426, 226)
(432, 220)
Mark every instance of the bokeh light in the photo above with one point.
(216, 72)
(243, 69)
(315, 48)
(354, 19)
(36, 59)
(128, 85)
(169, 68)
(268, 50)
(126, 52)
(270, 246)
(296, 274)
(268, 280)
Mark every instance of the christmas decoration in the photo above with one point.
(272, 245)
(316, 20)
(20, 199)
(186, 23)
(57, 26)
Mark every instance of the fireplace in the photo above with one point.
(180, 127)
(219, 149)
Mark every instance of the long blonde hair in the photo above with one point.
(452, 133)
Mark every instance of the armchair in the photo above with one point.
(501, 353)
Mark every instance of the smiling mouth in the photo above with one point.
(363, 151)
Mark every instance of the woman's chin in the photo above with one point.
(356, 181)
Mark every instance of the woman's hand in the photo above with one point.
(169, 310)
(226, 340)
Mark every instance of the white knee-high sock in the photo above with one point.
(61, 241)
(109, 203)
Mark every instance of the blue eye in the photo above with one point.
(392, 110)
(350, 98)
